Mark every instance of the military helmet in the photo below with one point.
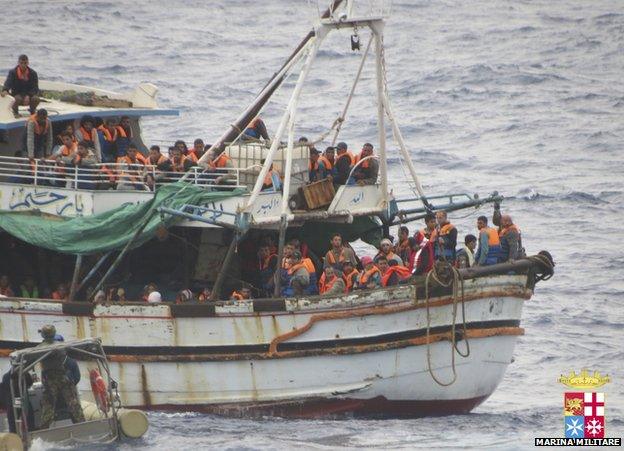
(48, 332)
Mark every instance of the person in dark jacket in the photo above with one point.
(343, 164)
(22, 83)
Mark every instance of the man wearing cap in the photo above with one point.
(22, 83)
(343, 164)
(38, 138)
(386, 250)
(56, 383)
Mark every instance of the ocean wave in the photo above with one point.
(530, 194)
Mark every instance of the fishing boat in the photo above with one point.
(439, 344)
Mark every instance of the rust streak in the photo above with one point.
(381, 310)
(147, 399)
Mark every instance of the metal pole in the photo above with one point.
(92, 272)
(357, 79)
(383, 167)
(285, 118)
(72, 289)
(214, 295)
(122, 254)
(280, 256)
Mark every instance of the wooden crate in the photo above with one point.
(318, 194)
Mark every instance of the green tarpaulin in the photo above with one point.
(109, 230)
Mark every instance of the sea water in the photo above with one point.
(526, 98)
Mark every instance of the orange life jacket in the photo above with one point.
(444, 230)
(87, 136)
(64, 151)
(313, 165)
(401, 271)
(161, 159)
(121, 132)
(332, 259)
(326, 285)
(179, 166)
(365, 164)
(350, 279)
(108, 136)
(221, 160)
(38, 129)
(493, 238)
(23, 75)
(328, 164)
(192, 155)
(347, 154)
(140, 159)
(367, 274)
(508, 229)
(309, 265)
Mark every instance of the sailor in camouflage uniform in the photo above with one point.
(56, 383)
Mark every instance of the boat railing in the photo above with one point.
(60, 173)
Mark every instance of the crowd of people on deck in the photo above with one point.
(340, 270)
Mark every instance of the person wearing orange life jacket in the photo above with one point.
(107, 136)
(386, 250)
(84, 160)
(424, 234)
(38, 138)
(350, 276)
(132, 169)
(256, 130)
(465, 255)
(313, 166)
(124, 136)
(338, 254)
(330, 283)
(61, 293)
(64, 156)
(392, 275)
(155, 158)
(343, 163)
(370, 277)
(296, 279)
(197, 151)
(403, 248)
(272, 180)
(489, 250)
(366, 172)
(88, 133)
(179, 162)
(22, 82)
(510, 240)
(444, 238)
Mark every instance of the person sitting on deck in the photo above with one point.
(133, 165)
(155, 158)
(82, 159)
(366, 172)
(338, 254)
(88, 133)
(331, 283)
(343, 164)
(29, 288)
(465, 256)
(350, 275)
(180, 144)
(61, 293)
(444, 238)
(392, 275)
(255, 130)
(370, 277)
(124, 136)
(22, 83)
(179, 162)
(328, 160)
(107, 137)
(489, 251)
(241, 295)
(5, 286)
(133, 157)
(184, 297)
(297, 278)
(386, 250)
(197, 151)
(204, 295)
(38, 137)
(272, 181)
(403, 247)
(69, 145)
(510, 240)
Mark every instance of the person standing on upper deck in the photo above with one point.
(39, 138)
(510, 240)
(22, 83)
(444, 238)
(338, 254)
(343, 164)
(365, 172)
